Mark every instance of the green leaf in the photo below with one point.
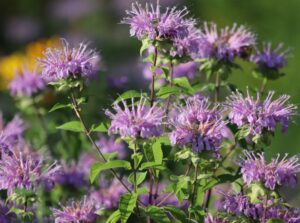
(157, 214)
(102, 127)
(157, 152)
(257, 191)
(176, 213)
(275, 221)
(74, 126)
(148, 165)
(166, 91)
(183, 82)
(114, 217)
(126, 206)
(128, 95)
(140, 177)
(96, 168)
(58, 106)
(145, 45)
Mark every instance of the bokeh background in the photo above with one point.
(34, 22)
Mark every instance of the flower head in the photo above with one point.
(271, 58)
(26, 84)
(109, 194)
(151, 23)
(12, 132)
(19, 170)
(258, 115)
(276, 173)
(138, 121)
(198, 126)
(109, 145)
(68, 61)
(226, 44)
(75, 211)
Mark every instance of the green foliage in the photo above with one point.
(73, 126)
(126, 206)
(157, 214)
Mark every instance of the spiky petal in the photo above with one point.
(138, 121)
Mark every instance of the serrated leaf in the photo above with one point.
(126, 206)
(96, 168)
(157, 214)
(128, 95)
(140, 177)
(58, 106)
(176, 213)
(74, 126)
(166, 91)
(114, 217)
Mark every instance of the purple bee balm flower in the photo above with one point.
(150, 22)
(18, 170)
(198, 126)
(72, 174)
(5, 215)
(109, 194)
(226, 44)
(75, 211)
(12, 132)
(109, 145)
(258, 115)
(68, 62)
(188, 70)
(271, 58)
(138, 121)
(211, 219)
(278, 172)
(26, 84)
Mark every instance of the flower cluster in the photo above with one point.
(240, 205)
(75, 211)
(258, 115)
(271, 58)
(198, 126)
(19, 170)
(68, 62)
(226, 44)
(26, 84)
(276, 173)
(140, 121)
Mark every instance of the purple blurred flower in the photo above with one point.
(26, 84)
(83, 166)
(276, 173)
(188, 70)
(109, 145)
(118, 82)
(109, 194)
(211, 219)
(151, 23)
(226, 44)
(12, 132)
(139, 121)
(5, 215)
(257, 115)
(18, 170)
(68, 61)
(75, 211)
(271, 58)
(198, 126)
(72, 174)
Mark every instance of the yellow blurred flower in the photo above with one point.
(13, 63)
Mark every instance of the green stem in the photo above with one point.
(153, 68)
(217, 87)
(194, 190)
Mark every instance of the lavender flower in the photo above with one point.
(83, 211)
(276, 173)
(18, 170)
(257, 115)
(198, 126)
(211, 219)
(26, 84)
(68, 62)
(226, 44)
(150, 22)
(271, 58)
(12, 132)
(109, 145)
(72, 174)
(109, 194)
(140, 121)
(5, 215)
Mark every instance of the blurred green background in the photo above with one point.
(97, 21)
